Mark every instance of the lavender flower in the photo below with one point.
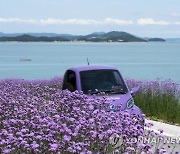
(37, 116)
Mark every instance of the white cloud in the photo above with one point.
(107, 21)
(117, 21)
(151, 21)
(52, 21)
(17, 20)
(177, 23)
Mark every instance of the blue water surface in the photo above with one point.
(134, 60)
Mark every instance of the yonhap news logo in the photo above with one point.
(117, 140)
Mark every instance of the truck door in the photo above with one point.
(69, 81)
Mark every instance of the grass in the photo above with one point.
(162, 106)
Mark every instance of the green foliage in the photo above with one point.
(161, 105)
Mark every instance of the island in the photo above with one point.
(113, 36)
(157, 39)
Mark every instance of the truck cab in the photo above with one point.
(101, 80)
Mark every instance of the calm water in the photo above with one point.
(134, 60)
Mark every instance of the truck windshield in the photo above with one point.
(108, 81)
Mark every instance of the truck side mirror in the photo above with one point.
(134, 90)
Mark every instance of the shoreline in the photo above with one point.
(74, 42)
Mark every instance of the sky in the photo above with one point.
(144, 18)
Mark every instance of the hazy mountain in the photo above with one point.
(10, 35)
(95, 34)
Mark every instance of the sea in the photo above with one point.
(46, 60)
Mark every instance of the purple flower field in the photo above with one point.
(37, 117)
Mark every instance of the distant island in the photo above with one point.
(157, 39)
(113, 36)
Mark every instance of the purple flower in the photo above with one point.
(44, 115)
(67, 138)
(39, 137)
(24, 130)
(88, 152)
(91, 120)
(91, 107)
(100, 136)
(57, 116)
(69, 131)
(71, 119)
(35, 145)
(93, 133)
(23, 142)
(70, 149)
(161, 151)
(150, 124)
(160, 130)
(53, 147)
(6, 151)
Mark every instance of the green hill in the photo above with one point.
(113, 36)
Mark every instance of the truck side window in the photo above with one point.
(70, 81)
(117, 78)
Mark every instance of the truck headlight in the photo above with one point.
(130, 103)
(112, 107)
